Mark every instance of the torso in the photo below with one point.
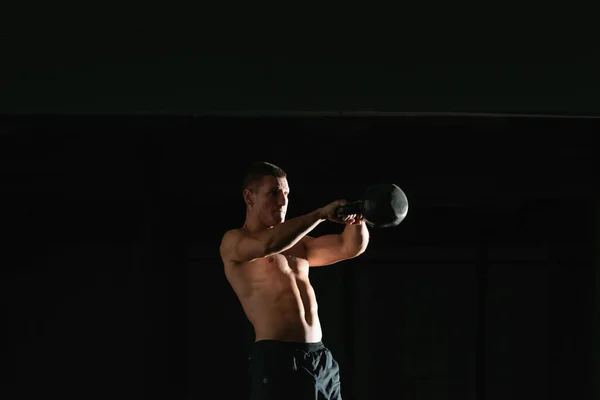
(277, 297)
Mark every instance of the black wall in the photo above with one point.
(113, 287)
(168, 77)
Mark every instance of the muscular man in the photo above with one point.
(267, 263)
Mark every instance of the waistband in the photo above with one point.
(268, 344)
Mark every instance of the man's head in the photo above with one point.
(265, 190)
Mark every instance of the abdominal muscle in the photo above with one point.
(277, 297)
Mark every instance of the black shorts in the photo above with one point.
(289, 371)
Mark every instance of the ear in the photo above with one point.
(248, 198)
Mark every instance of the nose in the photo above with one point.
(282, 200)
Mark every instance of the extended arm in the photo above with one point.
(330, 249)
(241, 247)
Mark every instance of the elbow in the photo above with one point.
(364, 247)
(362, 244)
(361, 249)
(357, 249)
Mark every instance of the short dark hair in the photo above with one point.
(257, 171)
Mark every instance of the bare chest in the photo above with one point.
(289, 262)
(271, 273)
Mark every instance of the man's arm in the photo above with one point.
(242, 247)
(330, 249)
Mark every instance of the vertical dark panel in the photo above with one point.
(156, 283)
(73, 294)
(519, 330)
(572, 302)
(595, 311)
(419, 334)
(482, 276)
(359, 285)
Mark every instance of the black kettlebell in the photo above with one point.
(382, 206)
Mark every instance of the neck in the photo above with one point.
(253, 225)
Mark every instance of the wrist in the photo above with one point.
(320, 214)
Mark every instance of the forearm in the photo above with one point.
(285, 235)
(355, 238)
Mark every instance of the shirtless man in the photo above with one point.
(267, 264)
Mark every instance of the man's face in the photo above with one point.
(271, 200)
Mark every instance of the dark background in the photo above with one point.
(113, 285)
(123, 134)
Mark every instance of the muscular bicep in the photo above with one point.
(242, 247)
(324, 250)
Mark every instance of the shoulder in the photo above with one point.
(230, 239)
(231, 236)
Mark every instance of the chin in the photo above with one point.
(272, 220)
